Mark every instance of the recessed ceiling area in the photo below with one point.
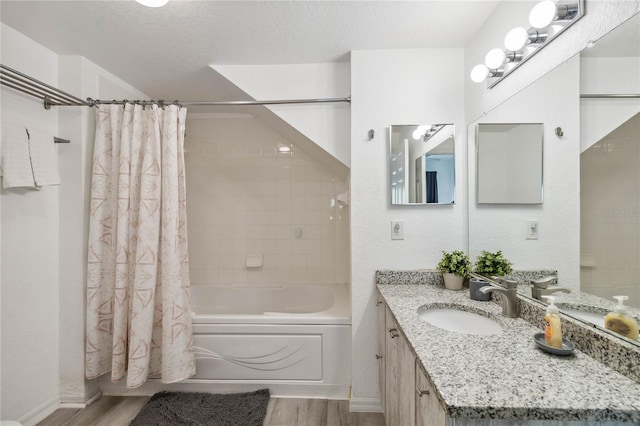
(165, 52)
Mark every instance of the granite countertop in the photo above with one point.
(506, 375)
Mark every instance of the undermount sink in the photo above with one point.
(459, 321)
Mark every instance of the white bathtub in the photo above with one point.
(295, 304)
(295, 340)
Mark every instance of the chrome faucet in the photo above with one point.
(541, 288)
(509, 292)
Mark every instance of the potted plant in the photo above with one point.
(492, 264)
(454, 267)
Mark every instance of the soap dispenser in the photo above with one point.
(552, 328)
(620, 322)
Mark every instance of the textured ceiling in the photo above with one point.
(165, 52)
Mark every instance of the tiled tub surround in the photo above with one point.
(251, 192)
(505, 376)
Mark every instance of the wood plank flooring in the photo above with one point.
(120, 410)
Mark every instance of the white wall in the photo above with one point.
(29, 222)
(600, 18)
(245, 197)
(503, 227)
(327, 125)
(598, 117)
(44, 239)
(396, 87)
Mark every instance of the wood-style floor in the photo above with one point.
(120, 410)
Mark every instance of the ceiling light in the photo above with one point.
(153, 3)
(495, 58)
(542, 14)
(284, 148)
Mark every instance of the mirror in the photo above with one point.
(509, 163)
(422, 164)
(589, 226)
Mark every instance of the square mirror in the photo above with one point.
(509, 163)
(422, 164)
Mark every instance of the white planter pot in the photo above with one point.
(452, 281)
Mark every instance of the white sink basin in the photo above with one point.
(460, 321)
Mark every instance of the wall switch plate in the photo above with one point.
(532, 230)
(397, 230)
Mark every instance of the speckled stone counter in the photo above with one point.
(505, 376)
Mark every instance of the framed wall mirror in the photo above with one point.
(509, 163)
(422, 164)
(589, 222)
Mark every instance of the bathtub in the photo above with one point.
(295, 340)
(294, 304)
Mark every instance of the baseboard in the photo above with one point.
(365, 405)
(40, 412)
(277, 389)
(80, 401)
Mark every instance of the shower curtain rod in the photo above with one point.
(610, 96)
(92, 102)
(52, 96)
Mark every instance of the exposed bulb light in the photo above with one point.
(479, 73)
(419, 132)
(153, 3)
(543, 14)
(284, 148)
(516, 39)
(495, 58)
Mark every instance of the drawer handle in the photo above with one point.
(378, 356)
(394, 334)
(420, 393)
(379, 302)
(391, 330)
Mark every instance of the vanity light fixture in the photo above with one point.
(548, 19)
(153, 3)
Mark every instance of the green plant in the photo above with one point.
(456, 262)
(492, 264)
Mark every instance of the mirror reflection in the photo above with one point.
(589, 225)
(421, 164)
(509, 163)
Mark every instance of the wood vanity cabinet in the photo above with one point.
(428, 409)
(407, 396)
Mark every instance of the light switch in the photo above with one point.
(397, 230)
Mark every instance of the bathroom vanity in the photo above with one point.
(431, 376)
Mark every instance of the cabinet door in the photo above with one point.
(381, 356)
(391, 370)
(406, 382)
(429, 412)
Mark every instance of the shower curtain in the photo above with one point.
(138, 307)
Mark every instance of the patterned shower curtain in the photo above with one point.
(138, 307)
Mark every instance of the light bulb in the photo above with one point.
(153, 3)
(495, 58)
(479, 73)
(542, 14)
(516, 39)
(419, 132)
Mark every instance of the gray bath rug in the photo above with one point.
(204, 409)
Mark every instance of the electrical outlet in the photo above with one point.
(397, 230)
(532, 230)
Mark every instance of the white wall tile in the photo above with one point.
(246, 197)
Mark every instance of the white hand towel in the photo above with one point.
(15, 158)
(44, 158)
